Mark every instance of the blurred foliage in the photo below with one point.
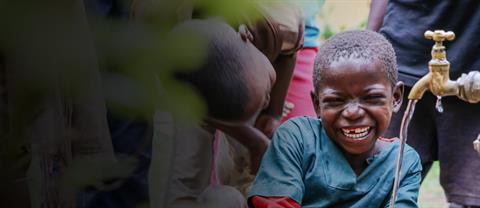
(329, 29)
(104, 175)
(51, 39)
(144, 50)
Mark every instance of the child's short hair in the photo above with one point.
(358, 44)
(221, 78)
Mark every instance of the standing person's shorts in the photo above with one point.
(446, 137)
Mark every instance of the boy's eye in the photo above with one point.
(374, 97)
(333, 101)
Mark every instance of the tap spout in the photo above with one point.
(419, 88)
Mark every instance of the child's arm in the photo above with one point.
(378, 8)
(410, 184)
(247, 135)
(280, 177)
(277, 202)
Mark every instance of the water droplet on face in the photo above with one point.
(438, 105)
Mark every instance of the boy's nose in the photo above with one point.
(353, 111)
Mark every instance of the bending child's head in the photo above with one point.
(356, 88)
(235, 78)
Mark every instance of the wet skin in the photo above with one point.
(355, 102)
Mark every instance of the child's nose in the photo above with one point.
(353, 111)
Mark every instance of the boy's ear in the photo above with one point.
(397, 96)
(316, 103)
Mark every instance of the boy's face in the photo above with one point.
(355, 102)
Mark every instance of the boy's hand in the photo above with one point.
(267, 124)
(245, 33)
(469, 85)
(287, 108)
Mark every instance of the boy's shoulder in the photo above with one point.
(411, 158)
(303, 123)
(303, 127)
(411, 153)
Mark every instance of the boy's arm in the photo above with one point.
(281, 171)
(247, 135)
(378, 8)
(269, 119)
(279, 36)
(278, 202)
(408, 189)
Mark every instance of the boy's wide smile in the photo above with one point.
(356, 133)
(356, 139)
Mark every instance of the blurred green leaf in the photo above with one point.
(83, 172)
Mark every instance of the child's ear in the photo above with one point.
(397, 96)
(316, 103)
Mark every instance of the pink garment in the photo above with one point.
(214, 173)
(302, 84)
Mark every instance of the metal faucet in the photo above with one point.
(467, 87)
(437, 80)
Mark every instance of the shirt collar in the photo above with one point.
(339, 173)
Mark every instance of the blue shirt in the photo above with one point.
(312, 29)
(305, 165)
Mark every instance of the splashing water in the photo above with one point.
(407, 116)
(439, 105)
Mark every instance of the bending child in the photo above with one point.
(234, 80)
(340, 158)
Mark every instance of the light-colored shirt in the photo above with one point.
(304, 164)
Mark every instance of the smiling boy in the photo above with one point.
(340, 158)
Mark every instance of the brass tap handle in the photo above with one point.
(438, 50)
(439, 35)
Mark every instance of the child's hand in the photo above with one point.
(245, 33)
(287, 108)
(470, 87)
(267, 124)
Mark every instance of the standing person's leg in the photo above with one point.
(298, 97)
(458, 127)
(422, 134)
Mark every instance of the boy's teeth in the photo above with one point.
(356, 132)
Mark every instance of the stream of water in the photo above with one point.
(403, 139)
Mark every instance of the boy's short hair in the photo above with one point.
(220, 80)
(357, 44)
